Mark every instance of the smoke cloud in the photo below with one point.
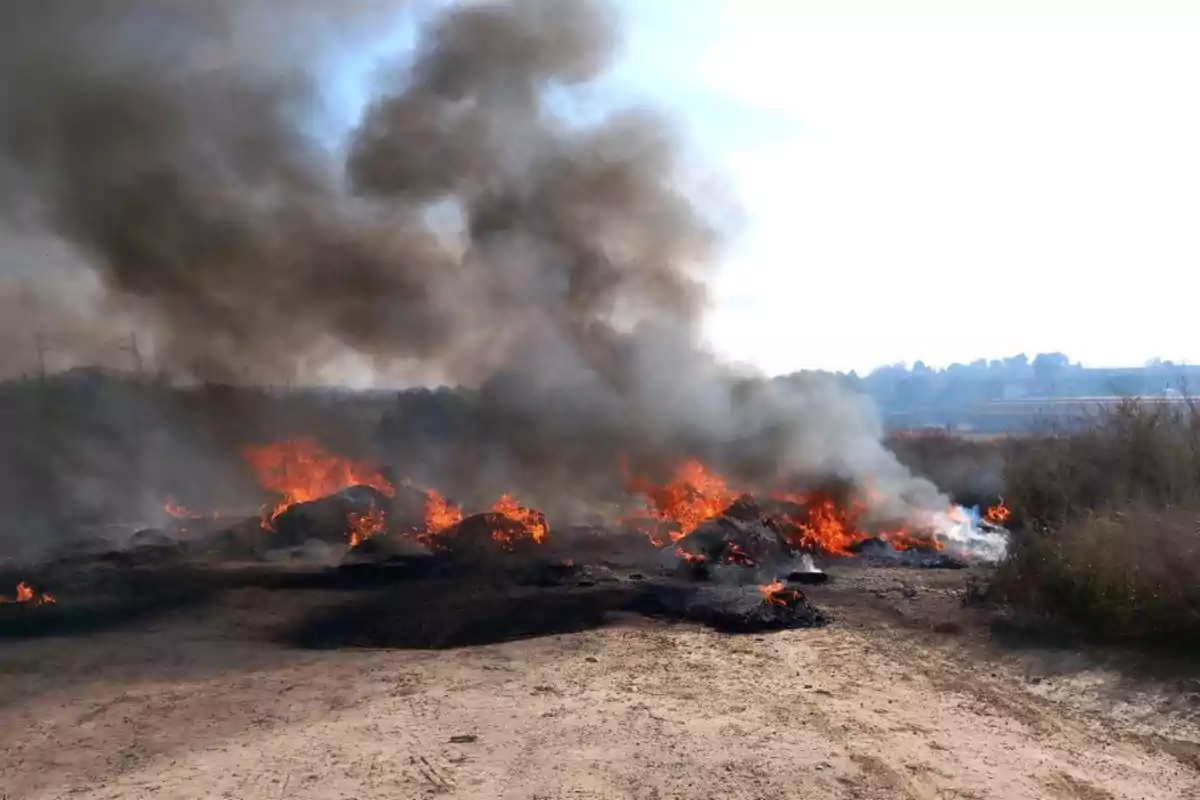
(174, 145)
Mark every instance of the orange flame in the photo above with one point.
(736, 555)
(690, 558)
(827, 528)
(364, 526)
(998, 514)
(775, 594)
(532, 522)
(300, 471)
(440, 514)
(820, 523)
(833, 530)
(26, 594)
(180, 512)
(691, 497)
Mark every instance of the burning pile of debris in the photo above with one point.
(695, 511)
(25, 611)
(696, 549)
(26, 596)
(338, 501)
(694, 515)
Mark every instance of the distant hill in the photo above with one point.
(1012, 394)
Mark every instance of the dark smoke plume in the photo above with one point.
(173, 144)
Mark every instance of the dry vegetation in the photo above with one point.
(1106, 523)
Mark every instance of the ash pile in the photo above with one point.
(496, 576)
(504, 574)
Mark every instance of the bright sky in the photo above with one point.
(943, 180)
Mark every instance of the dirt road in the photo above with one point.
(199, 707)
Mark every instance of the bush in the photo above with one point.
(1120, 575)
(1105, 534)
(1138, 452)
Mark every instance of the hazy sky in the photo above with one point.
(943, 180)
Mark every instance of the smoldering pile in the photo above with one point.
(491, 576)
(440, 576)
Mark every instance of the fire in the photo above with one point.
(998, 514)
(732, 555)
(518, 521)
(531, 521)
(300, 471)
(776, 594)
(771, 592)
(692, 496)
(819, 523)
(690, 558)
(736, 555)
(364, 526)
(180, 512)
(832, 529)
(26, 594)
(440, 514)
(902, 539)
(826, 528)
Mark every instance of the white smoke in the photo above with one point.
(966, 534)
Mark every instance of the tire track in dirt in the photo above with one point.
(1029, 744)
(633, 712)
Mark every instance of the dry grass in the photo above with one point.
(1122, 574)
(1106, 519)
(1139, 454)
(1105, 535)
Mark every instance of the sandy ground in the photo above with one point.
(199, 705)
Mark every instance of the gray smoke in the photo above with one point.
(173, 144)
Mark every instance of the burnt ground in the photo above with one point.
(255, 684)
